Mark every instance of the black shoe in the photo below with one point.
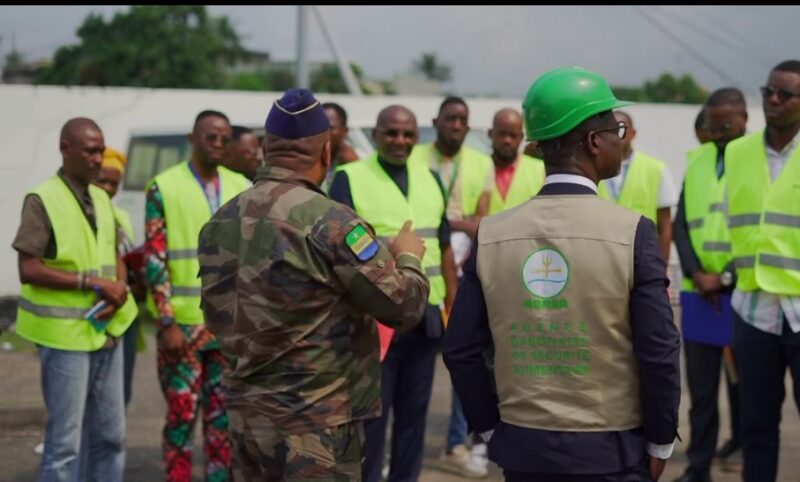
(689, 476)
(727, 449)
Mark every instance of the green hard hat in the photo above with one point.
(561, 99)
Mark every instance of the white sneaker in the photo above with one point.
(479, 459)
(39, 449)
(459, 461)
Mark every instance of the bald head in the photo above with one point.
(393, 113)
(506, 135)
(395, 134)
(81, 144)
(73, 128)
(507, 116)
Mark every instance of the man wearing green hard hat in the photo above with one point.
(571, 293)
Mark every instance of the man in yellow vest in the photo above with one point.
(517, 176)
(762, 171)
(180, 201)
(387, 189)
(703, 244)
(75, 305)
(570, 291)
(643, 185)
(112, 170)
(468, 180)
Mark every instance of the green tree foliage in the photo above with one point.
(433, 69)
(328, 79)
(178, 46)
(667, 88)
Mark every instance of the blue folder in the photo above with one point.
(702, 323)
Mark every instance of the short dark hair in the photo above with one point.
(239, 131)
(209, 113)
(726, 96)
(788, 66)
(452, 100)
(338, 109)
(700, 120)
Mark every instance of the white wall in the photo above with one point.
(33, 117)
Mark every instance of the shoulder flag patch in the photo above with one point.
(361, 243)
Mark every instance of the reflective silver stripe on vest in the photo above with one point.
(432, 271)
(52, 311)
(182, 253)
(745, 261)
(716, 207)
(782, 220)
(779, 261)
(744, 220)
(717, 246)
(108, 271)
(695, 223)
(427, 232)
(186, 291)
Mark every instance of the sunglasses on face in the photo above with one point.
(784, 95)
(211, 138)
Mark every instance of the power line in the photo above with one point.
(694, 53)
(710, 34)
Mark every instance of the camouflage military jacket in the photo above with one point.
(290, 279)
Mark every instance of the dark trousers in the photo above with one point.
(406, 383)
(638, 473)
(703, 363)
(762, 359)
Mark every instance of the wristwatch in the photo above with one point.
(726, 279)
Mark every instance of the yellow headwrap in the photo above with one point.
(113, 159)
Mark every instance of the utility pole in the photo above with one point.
(302, 47)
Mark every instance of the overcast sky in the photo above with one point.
(494, 50)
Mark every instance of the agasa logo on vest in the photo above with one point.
(545, 274)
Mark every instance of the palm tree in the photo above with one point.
(432, 69)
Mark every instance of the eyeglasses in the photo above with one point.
(212, 137)
(621, 129)
(784, 95)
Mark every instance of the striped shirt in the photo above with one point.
(766, 311)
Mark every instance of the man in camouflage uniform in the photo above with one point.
(289, 278)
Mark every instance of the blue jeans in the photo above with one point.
(457, 429)
(85, 433)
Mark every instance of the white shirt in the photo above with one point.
(655, 450)
(760, 309)
(667, 196)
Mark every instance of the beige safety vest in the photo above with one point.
(556, 273)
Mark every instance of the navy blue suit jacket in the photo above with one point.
(656, 346)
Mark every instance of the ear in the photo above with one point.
(591, 143)
(490, 133)
(434, 121)
(327, 156)
(190, 136)
(63, 145)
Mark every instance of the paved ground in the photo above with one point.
(22, 419)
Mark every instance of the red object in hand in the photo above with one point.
(134, 260)
(385, 334)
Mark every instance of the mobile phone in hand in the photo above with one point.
(91, 315)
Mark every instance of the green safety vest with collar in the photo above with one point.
(57, 318)
(703, 199)
(528, 180)
(763, 217)
(640, 187)
(124, 221)
(186, 211)
(473, 166)
(380, 202)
